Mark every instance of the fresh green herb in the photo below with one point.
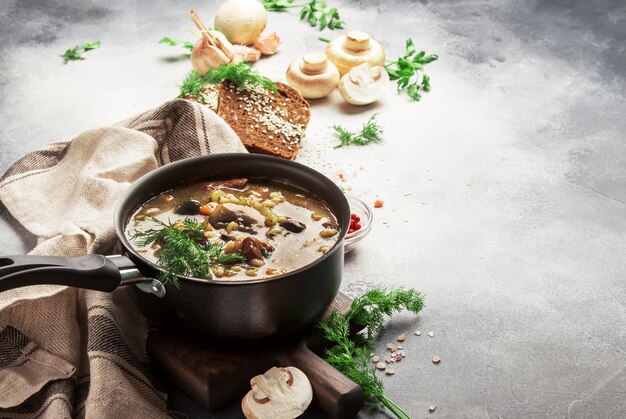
(240, 74)
(407, 69)
(351, 359)
(75, 54)
(315, 12)
(324, 39)
(279, 5)
(175, 42)
(192, 85)
(370, 133)
(185, 251)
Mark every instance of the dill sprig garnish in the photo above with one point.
(368, 310)
(193, 85)
(240, 74)
(185, 251)
(371, 132)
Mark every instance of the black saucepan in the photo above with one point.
(280, 306)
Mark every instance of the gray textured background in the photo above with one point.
(505, 188)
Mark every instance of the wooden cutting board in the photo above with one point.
(214, 376)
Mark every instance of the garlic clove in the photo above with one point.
(364, 84)
(268, 44)
(245, 54)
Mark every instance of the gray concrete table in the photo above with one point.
(504, 189)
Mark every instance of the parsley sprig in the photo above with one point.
(176, 42)
(315, 12)
(240, 74)
(75, 54)
(352, 359)
(371, 132)
(408, 70)
(185, 251)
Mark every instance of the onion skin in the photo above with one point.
(241, 21)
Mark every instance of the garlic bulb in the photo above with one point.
(364, 84)
(355, 48)
(268, 44)
(313, 76)
(212, 50)
(241, 21)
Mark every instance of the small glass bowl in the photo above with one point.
(360, 208)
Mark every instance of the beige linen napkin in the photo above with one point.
(67, 352)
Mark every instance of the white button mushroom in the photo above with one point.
(355, 48)
(280, 393)
(313, 76)
(212, 50)
(242, 21)
(364, 84)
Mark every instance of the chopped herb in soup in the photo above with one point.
(233, 229)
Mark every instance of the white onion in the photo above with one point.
(241, 21)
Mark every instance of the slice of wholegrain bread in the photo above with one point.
(266, 122)
(207, 97)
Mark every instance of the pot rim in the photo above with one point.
(128, 248)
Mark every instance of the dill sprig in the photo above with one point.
(193, 85)
(240, 74)
(371, 132)
(407, 70)
(176, 42)
(185, 251)
(351, 359)
(75, 54)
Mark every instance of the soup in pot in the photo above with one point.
(232, 230)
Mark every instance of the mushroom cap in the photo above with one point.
(241, 21)
(313, 76)
(354, 48)
(280, 393)
(364, 84)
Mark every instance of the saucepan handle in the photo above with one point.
(95, 272)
